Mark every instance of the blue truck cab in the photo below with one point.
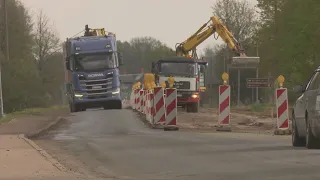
(92, 71)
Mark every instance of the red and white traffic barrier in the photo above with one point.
(149, 104)
(171, 109)
(132, 98)
(140, 100)
(145, 92)
(224, 105)
(136, 99)
(159, 111)
(282, 108)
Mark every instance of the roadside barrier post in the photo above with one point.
(159, 107)
(147, 102)
(137, 98)
(171, 107)
(141, 100)
(137, 103)
(150, 104)
(224, 122)
(132, 99)
(281, 96)
(144, 100)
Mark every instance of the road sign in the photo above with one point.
(258, 83)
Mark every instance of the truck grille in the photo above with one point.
(97, 88)
(180, 84)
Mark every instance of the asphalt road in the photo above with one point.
(117, 142)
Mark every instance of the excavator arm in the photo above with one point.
(214, 25)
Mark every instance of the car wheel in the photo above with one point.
(311, 141)
(297, 141)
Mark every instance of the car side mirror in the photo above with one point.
(120, 58)
(299, 89)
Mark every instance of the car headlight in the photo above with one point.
(116, 91)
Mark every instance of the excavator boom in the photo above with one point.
(214, 25)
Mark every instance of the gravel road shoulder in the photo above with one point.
(241, 121)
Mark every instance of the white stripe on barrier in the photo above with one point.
(159, 106)
(282, 108)
(224, 105)
(171, 107)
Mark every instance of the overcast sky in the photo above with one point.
(170, 21)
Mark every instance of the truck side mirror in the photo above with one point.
(153, 66)
(68, 65)
(120, 58)
(203, 68)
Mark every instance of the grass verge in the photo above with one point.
(32, 111)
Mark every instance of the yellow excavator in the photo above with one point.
(214, 25)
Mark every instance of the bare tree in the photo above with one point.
(46, 39)
(240, 18)
(238, 15)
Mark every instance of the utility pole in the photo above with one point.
(7, 53)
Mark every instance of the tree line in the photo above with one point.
(139, 52)
(32, 74)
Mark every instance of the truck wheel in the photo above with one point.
(71, 107)
(196, 107)
(193, 108)
(119, 105)
(76, 108)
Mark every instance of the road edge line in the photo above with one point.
(27, 138)
(47, 127)
(42, 152)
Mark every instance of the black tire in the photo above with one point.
(71, 107)
(114, 105)
(193, 108)
(297, 141)
(118, 105)
(311, 141)
(188, 108)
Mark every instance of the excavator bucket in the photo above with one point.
(245, 61)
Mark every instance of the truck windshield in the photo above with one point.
(178, 68)
(94, 62)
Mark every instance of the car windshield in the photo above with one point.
(94, 62)
(178, 68)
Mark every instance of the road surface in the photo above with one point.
(116, 143)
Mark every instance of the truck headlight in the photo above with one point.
(195, 96)
(116, 91)
(77, 95)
